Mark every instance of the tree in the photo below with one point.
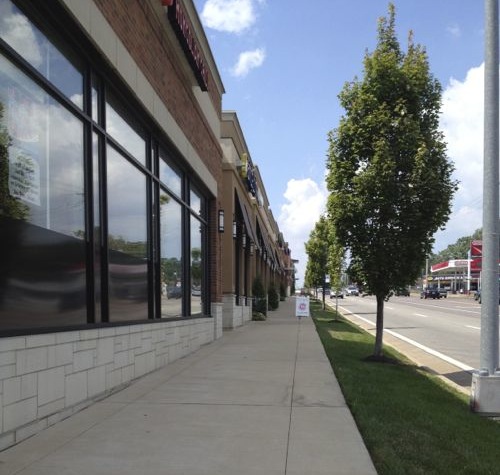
(325, 257)
(389, 177)
(10, 204)
(317, 253)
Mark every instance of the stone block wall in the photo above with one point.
(48, 377)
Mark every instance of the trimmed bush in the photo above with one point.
(259, 296)
(273, 297)
(282, 292)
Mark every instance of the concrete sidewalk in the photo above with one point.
(262, 400)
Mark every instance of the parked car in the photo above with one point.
(430, 293)
(402, 292)
(478, 296)
(352, 290)
(443, 293)
(174, 292)
(336, 294)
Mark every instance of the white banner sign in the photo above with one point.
(302, 306)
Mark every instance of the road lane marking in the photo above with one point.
(442, 356)
(421, 315)
(475, 328)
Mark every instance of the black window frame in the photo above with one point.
(53, 21)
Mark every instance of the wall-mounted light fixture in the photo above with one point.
(221, 221)
(244, 239)
(235, 229)
(252, 248)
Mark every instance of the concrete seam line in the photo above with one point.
(291, 396)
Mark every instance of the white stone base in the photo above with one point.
(233, 315)
(48, 377)
(485, 394)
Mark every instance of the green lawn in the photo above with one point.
(410, 420)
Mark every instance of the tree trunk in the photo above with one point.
(379, 334)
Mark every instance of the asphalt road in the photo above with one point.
(443, 334)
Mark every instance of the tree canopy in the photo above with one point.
(325, 257)
(389, 177)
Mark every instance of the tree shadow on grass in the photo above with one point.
(383, 359)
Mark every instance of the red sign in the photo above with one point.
(186, 35)
(476, 249)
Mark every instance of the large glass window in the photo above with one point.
(47, 58)
(123, 132)
(169, 177)
(78, 223)
(171, 256)
(42, 250)
(195, 202)
(127, 239)
(197, 266)
(96, 207)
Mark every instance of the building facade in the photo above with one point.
(253, 247)
(112, 183)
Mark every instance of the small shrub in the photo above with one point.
(259, 296)
(282, 292)
(273, 297)
(258, 317)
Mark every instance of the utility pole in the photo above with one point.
(485, 390)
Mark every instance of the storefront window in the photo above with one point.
(96, 207)
(124, 133)
(42, 250)
(94, 95)
(169, 177)
(197, 265)
(170, 256)
(47, 58)
(127, 239)
(195, 202)
(61, 172)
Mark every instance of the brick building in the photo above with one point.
(111, 192)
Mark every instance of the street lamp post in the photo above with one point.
(485, 390)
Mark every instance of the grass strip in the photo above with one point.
(411, 421)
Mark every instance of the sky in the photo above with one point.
(283, 64)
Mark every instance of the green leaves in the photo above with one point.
(388, 174)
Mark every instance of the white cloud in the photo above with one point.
(454, 30)
(306, 201)
(230, 16)
(18, 33)
(462, 123)
(247, 61)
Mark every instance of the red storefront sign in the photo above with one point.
(476, 249)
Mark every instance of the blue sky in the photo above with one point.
(283, 64)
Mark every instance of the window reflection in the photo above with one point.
(195, 201)
(196, 254)
(45, 166)
(169, 177)
(127, 239)
(96, 116)
(42, 251)
(124, 133)
(170, 256)
(96, 159)
(46, 57)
